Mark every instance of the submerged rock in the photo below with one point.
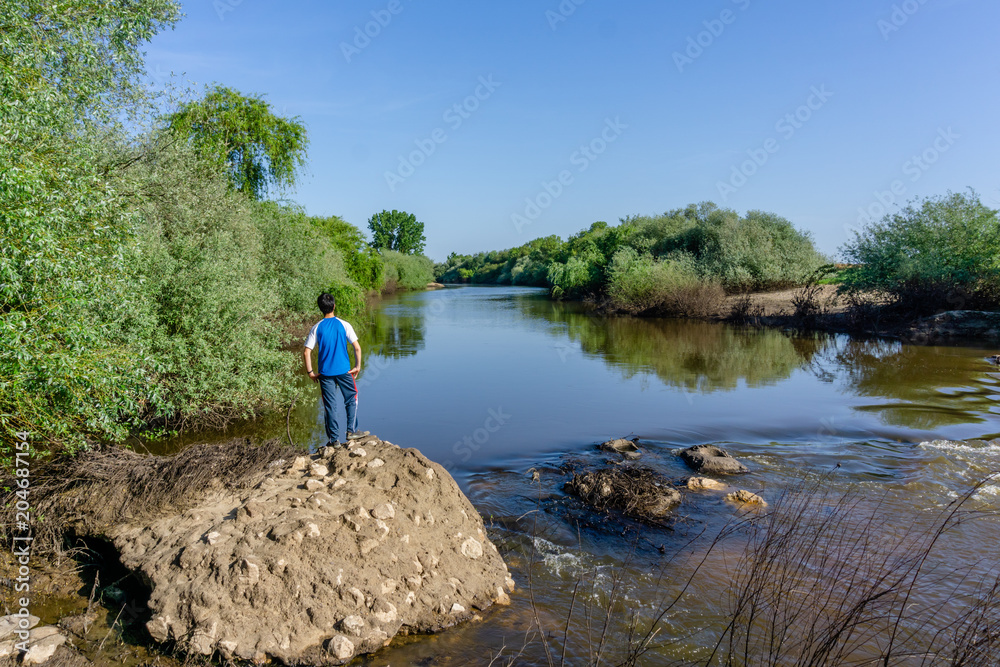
(982, 325)
(705, 484)
(744, 497)
(712, 460)
(319, 560)
(641, 493)
(626, 448)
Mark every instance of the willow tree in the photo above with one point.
(258, 149)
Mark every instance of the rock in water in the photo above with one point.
(744, 497)
(626, 448)
(712, 460)
(315, 576)
(705, 484)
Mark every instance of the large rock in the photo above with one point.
(325, 558)
(712, 460)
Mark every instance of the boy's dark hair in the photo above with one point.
(326, 303)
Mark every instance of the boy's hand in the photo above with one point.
(314, 376)
(354, 372)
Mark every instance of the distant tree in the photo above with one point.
(258, 149)
(397, 230)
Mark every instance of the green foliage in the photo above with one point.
(364, 265)
(300, 260)
(240, 133)
(397, 230)
(673, 259)
(137, 287)
(68, 307)
(940, 252)
(406, 271)
(525, 265)
(642, 284)
(214, 288)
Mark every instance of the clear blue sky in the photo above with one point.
(897, 80)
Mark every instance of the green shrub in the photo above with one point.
(215, 353)
(943, 252)
(298, 259)
(406, 271)
(71, 320)
(672, 286)
(576, 277)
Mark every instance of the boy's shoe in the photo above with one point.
(354, 435)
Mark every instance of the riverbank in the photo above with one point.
(820, 308)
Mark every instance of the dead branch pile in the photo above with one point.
(639, 492)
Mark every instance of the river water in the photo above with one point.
(499, 383)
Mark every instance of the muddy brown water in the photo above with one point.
(497, 383)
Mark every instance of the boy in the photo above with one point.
(331, 336)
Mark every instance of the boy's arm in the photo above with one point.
(357, 360)
(307, 356)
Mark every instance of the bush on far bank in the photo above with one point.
(406, 271)
(939, 253)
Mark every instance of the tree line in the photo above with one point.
(147, 283)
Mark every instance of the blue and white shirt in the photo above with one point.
(332, 335)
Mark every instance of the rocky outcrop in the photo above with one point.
(744, 497)
(322, 559)
(704, 484)
(712, 460)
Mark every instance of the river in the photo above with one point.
(498, 383)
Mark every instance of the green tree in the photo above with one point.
(257, 148)
(68, 307)
(397, 230)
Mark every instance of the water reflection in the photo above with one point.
(396, 331)
(925, 388)
(694, 356)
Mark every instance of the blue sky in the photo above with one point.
(588, 110)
